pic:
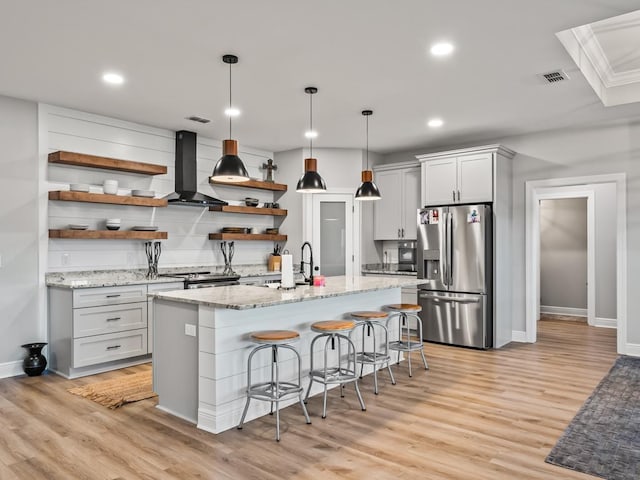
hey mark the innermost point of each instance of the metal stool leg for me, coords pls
(386, 352)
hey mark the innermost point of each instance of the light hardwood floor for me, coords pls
(481, 415)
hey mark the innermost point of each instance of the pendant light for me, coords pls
(368, 190)
(310, 181)
(230, 167)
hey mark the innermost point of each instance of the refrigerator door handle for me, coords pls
(450, 248)
(450, 299)
(445, 270)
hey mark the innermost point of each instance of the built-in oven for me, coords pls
(407, 256)
(205, 279)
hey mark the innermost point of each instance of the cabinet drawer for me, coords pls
(93, 297)
(109, 319)
(108, 347)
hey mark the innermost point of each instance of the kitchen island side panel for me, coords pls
(175, 358)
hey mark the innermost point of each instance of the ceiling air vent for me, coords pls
(555, 76)
(195, 118)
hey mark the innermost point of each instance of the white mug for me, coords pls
(110, 187)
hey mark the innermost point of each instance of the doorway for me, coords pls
(567, 255)
(573, 188)
(332, 223)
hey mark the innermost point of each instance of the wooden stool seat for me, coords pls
(369, 315)
(328, 326)
(274, 336)
(404, 307)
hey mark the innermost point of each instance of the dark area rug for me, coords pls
(603, 439)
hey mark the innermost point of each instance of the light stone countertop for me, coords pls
(114, 278)
(243, 297)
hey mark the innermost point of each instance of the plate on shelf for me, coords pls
(79, 187)
(143, 193)
(145, 228)
(79, 226)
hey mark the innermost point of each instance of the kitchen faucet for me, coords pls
(310, 263)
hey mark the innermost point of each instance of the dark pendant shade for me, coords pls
(310, 181)
(368, 190)
(230, 167)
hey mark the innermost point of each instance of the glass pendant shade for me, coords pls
(230, 168)
(368, 190)
(310, 181)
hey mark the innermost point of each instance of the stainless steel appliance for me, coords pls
(205, 279)
(455, 260)
(407, 256)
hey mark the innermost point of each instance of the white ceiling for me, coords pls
(359, 53)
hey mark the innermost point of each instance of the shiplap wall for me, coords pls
(188, 227)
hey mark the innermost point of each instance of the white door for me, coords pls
(411, 202)
(475, 178)
(333, 234)
(387, 222)
(441, 181)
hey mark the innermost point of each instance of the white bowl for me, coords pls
(79, 187)
(110, 187)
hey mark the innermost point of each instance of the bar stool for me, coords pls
(405, 311)
(274, 391)
(370, 321)
(334, 332)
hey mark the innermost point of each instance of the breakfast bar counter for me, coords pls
(201, 340)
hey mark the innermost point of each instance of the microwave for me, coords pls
(407, 256)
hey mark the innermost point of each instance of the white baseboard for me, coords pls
(606, 322)
(569, 311)
(519, 336)
(632, 349)
(11, 369)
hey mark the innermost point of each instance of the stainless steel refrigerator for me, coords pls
(455, 260)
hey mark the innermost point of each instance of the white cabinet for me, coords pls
(93, 330)
(396, 212)
(465, 178)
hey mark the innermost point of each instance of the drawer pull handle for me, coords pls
(113, 319)
(113, 296)
(114, 347)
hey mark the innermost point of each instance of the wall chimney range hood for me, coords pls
(187, 175)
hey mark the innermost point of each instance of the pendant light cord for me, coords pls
(230, 136)
(367, 130)
(310, 125)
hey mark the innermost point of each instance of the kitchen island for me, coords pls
(201, 340)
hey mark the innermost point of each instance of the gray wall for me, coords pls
(19, 302)
(563, 253)
(605, 250)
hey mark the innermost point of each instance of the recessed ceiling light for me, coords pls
(441, 49)
(113, 78)
(435, 122)
(231, 112)
(311, 134)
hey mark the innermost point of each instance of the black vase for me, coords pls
(34, 363)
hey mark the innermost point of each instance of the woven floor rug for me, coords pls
(119, 391)
(603, 439)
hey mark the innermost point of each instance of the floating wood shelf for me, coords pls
(108, 234)
(247, 236)
(105, 163)
(69, 196)
(276, 187)
(278, 212)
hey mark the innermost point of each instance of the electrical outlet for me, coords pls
(131, 258)
(66, 259)
(190, 329)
